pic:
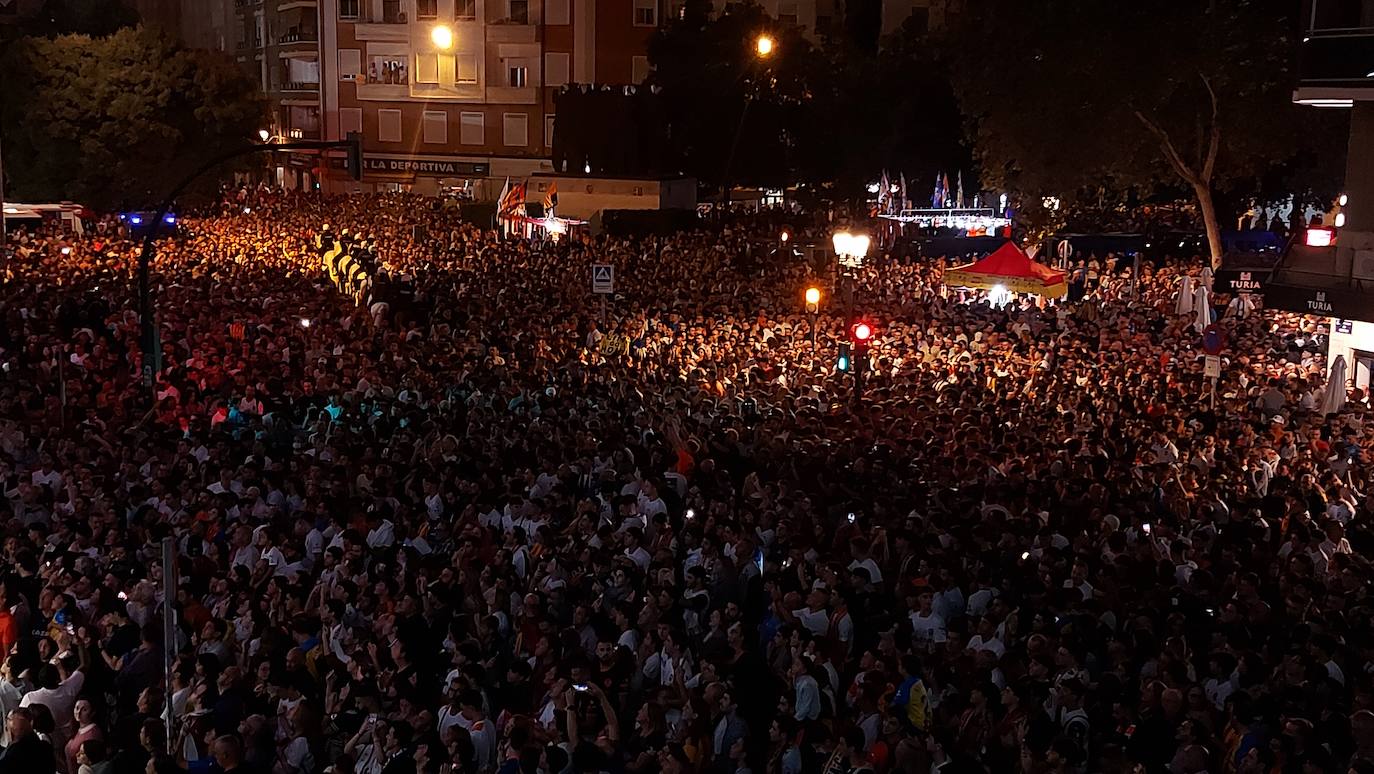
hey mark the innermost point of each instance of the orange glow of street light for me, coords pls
(442, 37)
(813, 296)
(763, 46)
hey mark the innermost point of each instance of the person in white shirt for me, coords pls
(60, 689)
(928, 628)
(634, 551)
(815, 617)
(381, 533)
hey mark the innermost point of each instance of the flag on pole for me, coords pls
(959, 198)
(501, 200)
(884, 192)
(938, 199)
(551, 198)
(904, 203)
(945, 188)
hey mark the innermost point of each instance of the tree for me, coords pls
(1074, 95)
(115, 122)
(81, 17)
(715, 87)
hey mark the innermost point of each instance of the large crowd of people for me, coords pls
(493, 527)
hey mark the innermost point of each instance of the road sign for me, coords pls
(603, 278)
(1211, 367)
(1213, 339)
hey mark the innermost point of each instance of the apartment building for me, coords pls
(454, 95)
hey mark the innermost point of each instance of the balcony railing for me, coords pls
(1326, 17)
(308, 36)
(299, 86)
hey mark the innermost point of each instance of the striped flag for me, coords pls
(551, 198)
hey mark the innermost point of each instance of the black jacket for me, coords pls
(29, 755)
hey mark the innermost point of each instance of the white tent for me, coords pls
(1203, 307)
(1184, 303)
(1333, 397)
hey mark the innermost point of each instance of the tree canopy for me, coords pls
(835, 113)
(1072, 96)
(115, 121)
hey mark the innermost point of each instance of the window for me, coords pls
(787, 12)
(471, 129)
(389, 125)
(426, 68)
(646, 13)
(426, 9)
(391, 12)
(556, 12)
(465, 68)
(348, 9)
(515, 130)
(556, 67)
(350, 64)
(548, 131)
(517, 76)
(435, 127)
(465, 10)
(388, 69)
(350, 120)
(639, 67)
(520, 11)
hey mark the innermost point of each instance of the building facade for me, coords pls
(450, 96)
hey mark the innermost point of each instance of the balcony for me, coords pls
(513, 95)
(392, 27)
(299, 43)
(243, 5)
(507, 31)
(299, 86)
(291, 5)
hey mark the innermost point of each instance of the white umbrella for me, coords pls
(1184, 303)
(1202, 307)
(1333, 397)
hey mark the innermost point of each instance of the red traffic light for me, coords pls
(862, 331)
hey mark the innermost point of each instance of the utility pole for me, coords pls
(2, 194)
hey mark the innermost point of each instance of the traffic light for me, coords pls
(860, 336)
(842, 363)
(355, 155)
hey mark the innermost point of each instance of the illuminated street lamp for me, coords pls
(264, 135)
(813, 299)
(441, 36)
(851, 248)
(763, 46)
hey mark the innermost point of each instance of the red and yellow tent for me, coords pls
(1013, 270)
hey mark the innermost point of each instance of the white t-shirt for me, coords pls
(817, 622)
(874, 574)
(927, 629)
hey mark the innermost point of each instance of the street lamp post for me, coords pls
(850, 250)
(764, 46)
(813, 305)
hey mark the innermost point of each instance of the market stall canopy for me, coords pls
(1011, 269)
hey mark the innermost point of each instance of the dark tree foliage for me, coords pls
(1068, 96)
(823, 117)
(115, 122)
